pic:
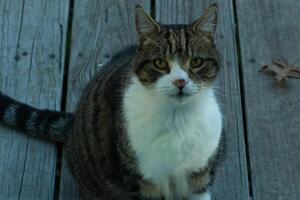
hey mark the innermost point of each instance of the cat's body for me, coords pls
(148, 125)
(101, 111)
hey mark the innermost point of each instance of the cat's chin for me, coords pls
(179, 98)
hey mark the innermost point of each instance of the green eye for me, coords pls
(196, 62)
(161, 64)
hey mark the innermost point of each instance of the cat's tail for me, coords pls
(46, 124)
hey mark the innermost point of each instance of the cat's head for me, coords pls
(177, 61)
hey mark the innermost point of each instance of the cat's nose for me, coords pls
(179, 83)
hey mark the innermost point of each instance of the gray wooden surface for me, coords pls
(231, 178)
(32, 41)
(270, 29)
(100, 29)
(260, 118)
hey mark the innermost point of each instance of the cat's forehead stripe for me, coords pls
(177, 41)
(172, 41)
(183, 40)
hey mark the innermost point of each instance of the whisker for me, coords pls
(217, 93)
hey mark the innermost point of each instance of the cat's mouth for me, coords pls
(180, 95)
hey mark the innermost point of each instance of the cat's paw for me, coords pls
(149, 190)
(202, 196)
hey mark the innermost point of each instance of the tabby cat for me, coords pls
(148, 125)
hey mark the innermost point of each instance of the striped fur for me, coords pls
(46, 124)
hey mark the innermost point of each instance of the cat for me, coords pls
(148, 125)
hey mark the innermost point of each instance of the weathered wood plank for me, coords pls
(231, 178)
(270, 29)
(32, 42)
(100, 29)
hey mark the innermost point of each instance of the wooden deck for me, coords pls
(49, 50)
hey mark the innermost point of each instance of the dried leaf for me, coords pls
(281, 70)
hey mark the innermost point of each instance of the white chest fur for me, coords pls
(170, 139)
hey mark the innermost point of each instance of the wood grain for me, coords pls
(270, 29)
(32, 45)
(231, 178)
(100, 29)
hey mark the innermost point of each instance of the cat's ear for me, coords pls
(208, 22)
(145, 25)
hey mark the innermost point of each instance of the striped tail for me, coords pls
(46, 124)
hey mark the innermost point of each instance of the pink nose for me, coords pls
(179, 83)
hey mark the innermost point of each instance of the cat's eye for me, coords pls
(161, 64)
(196, 62)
